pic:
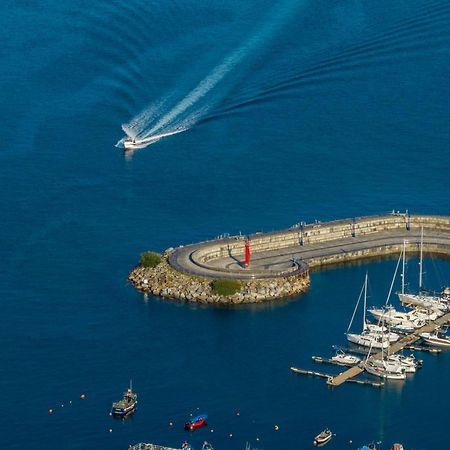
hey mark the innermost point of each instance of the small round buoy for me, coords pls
(50, 411)
(110, 414)
(70, 402)
(212, 431)
(257, 439)
(110, 430)
(170, 424)
(231, 434)
(82, 396)
(350, 441)
(238, 413)
(276, 427)
(62, 406)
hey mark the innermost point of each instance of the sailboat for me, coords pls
(384, 367)
(439, 304)
(366, 338)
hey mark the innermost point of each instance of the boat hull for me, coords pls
(120, 412)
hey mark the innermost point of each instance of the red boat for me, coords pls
(196, 422)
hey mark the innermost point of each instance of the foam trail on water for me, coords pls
(156, 121)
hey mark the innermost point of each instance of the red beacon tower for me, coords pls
(247, 253)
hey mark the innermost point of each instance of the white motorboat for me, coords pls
(393, 317)
(384, 369)
(436, 338)
(409, 363)
(345, 359)
(381, 330)
(366, 338)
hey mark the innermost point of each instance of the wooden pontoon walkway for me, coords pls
(394, 348)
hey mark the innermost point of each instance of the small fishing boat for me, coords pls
(196, 422)
(126, 405)
(323, 437)
(369, 447)
(436, 338)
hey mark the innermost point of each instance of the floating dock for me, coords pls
(329, 377)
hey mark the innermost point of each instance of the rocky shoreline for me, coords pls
(164, 281)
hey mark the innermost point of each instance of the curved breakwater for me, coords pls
(280, 261)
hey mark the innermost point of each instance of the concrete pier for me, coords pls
(280, 261)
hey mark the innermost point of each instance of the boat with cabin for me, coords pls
(438, 338)
(196, 422)
(126, 405)
(323, 438)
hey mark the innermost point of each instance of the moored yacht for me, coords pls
(366, 338)
(385, 369)
(345, 359)
(436, 338)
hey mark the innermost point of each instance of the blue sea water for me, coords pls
(293, 110)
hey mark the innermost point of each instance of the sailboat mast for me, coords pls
(421, 260)
(403, 266)
(365, 303)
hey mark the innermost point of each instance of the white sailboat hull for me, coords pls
(425, 301)
(368, 340)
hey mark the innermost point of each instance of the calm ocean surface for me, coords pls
(294, 110)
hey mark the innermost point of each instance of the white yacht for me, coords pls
(409, 363)
(381, 330)
(345, 359)
(436, 338)
(385, 369)
(393, 317)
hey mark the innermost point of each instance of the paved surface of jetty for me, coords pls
(285, 252)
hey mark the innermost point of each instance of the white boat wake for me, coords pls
(158, 121)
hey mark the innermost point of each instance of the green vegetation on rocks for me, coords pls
(225, 287)
(150, 259)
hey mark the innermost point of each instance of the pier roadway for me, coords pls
(293, 251)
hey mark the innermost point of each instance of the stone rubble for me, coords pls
(164, 281)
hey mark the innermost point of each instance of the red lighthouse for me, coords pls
(247, 252)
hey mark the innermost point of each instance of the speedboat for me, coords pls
(196, 422)
(436, 338)
(134, 143)
(323, 437)
(345, 359)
